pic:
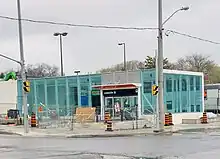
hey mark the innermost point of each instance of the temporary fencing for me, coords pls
(86, 119)
(79, 116)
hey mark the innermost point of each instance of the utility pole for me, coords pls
(160, 67)
(156, 82)
(22, 62)
(160, 60)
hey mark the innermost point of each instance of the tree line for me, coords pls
(36, 71)
(195, 62)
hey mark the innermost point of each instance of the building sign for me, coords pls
(121, 92)
(95, 93)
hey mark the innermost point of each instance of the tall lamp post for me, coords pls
(160, 62)
(61, 49)
(126, 75)
(124, 56)
(78, 85)
(72, 121)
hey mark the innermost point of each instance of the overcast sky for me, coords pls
(91, 49)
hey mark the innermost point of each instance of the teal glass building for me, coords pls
(183, 92)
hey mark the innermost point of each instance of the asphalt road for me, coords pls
(186, 146)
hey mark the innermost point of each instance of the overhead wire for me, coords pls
(108, 27)
(78, 25)
(193, 37)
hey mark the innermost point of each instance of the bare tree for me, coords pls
(42, 70)
(214, 75)
(195, 62)
(131, 66)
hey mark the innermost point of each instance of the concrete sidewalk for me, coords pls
(100, 131)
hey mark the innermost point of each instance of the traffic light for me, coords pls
(205, 94)
(26, 86)
(154, 90)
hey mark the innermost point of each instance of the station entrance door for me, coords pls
(117, 97)
(126, 103)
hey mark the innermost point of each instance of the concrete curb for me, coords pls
(198, 129)
(101, 135)
(118, 134)
(3, 132)
(110, 134)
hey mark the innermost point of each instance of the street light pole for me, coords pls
(125, 62)
(160, 63)
(181, 9)
(61, 55)
(72, 120)
(125, 65)
(61, 50)
(22, 63)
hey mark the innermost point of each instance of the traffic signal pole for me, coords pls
(157, 105)
(160, 68)
(22, 63)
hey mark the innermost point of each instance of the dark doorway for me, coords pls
(96, 101)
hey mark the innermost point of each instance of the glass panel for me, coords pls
(31, 95)
(126, 102)
(40, 93)
(51, 96)
(192, 108)
(178, 85)
(73, 96)
(147, 87)
(96, 80)
(198, 83)
(109, 106)
(191, 83)
(62, 100)
(109, 102)
(174, 85)
(130, 104)
(184, 108)
(169, 106)
(197, 108)
(72, 81)
(117, 106)
(84, 79)
(169, 85)
(184, 85)
(61, 81)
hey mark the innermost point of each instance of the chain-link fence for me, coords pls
(52, 118)
(77, 120)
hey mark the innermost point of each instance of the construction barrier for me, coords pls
(167, 120)
(33, 120)
(204, 118)
(170, 119)
(85, 114)
(107, 117)
(109, 126)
